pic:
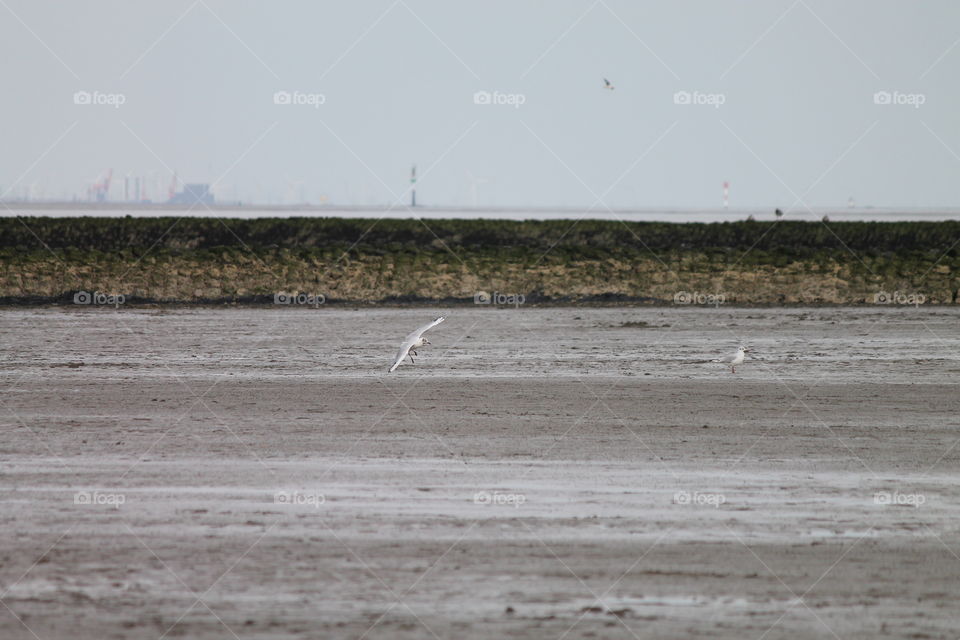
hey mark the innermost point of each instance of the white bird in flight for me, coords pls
(607, 85)
(413, 341)
(735, 359)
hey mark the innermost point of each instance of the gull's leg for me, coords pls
(411, 359)
(733, 369)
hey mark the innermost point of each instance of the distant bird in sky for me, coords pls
(735, 359)
(413, 341)
(607, 85)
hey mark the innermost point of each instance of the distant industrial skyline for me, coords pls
(154, 189)
(793, 103)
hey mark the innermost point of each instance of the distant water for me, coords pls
(635, 215)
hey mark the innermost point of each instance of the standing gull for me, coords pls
(733, 360)
(413, 341)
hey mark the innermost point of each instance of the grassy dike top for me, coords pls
(184, 260)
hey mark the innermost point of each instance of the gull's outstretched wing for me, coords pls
(413, 337)
(411, 340)
(400, 356)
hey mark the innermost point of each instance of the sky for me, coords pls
(794, 103)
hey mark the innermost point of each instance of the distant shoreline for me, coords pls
(638, 214)
(217, 261)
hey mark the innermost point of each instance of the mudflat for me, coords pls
(537, 473)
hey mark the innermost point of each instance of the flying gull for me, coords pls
(412, 341)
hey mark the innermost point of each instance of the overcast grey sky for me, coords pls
(797, 82)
